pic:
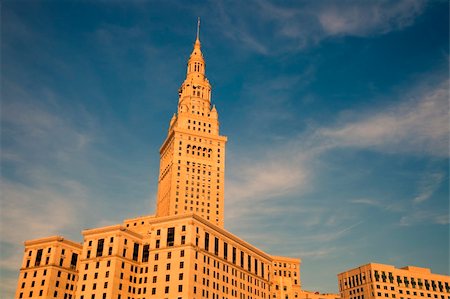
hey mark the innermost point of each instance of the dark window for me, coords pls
(249, 263)
(242, 259)
(100, 247)
(234, 255)
(170, 236)
(157, 243)
(225, 250)
(135, 251)
(256, 266)
(216, 246)
(262, 270)
(206, 241)
(38, 257)
(145, 253)
(73, 261)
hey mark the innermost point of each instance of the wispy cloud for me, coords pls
(295, 27)
(418, 125)
(361, 18)
(420, 217)
(428, 185)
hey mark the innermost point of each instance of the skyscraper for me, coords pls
(181, 252)
(192, 158)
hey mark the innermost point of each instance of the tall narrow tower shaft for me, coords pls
(192, 158)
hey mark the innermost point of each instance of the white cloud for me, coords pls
(266, 179)
(416, 126)
(361, 18)
(295, 27)
(420, 217)
(428, 185)
(34, 212)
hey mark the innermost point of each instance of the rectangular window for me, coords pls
(242, 259)
(234, 255)
(170, 236)
(225, 250)
(249, 263)
(206, 241)
(145, 253)
(38, 257)
(100, 247)
(135, 251)
(216, 246)
(73, 261)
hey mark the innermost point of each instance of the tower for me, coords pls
(192, 158)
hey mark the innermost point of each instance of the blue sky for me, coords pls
(336, 114)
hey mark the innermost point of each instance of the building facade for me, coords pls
(49, 269)
(182, 251)
(385, 281)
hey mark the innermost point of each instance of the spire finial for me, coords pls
(198, 29)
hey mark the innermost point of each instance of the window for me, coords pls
(157, 243)
(135, 251)
(225, 250)
(38, 257)
(170, 236)
(145, 253)
(216, 246)
(166, 290)
(73, 261)
(100, 247)
(206, 241)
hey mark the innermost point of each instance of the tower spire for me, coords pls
(198, 29)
